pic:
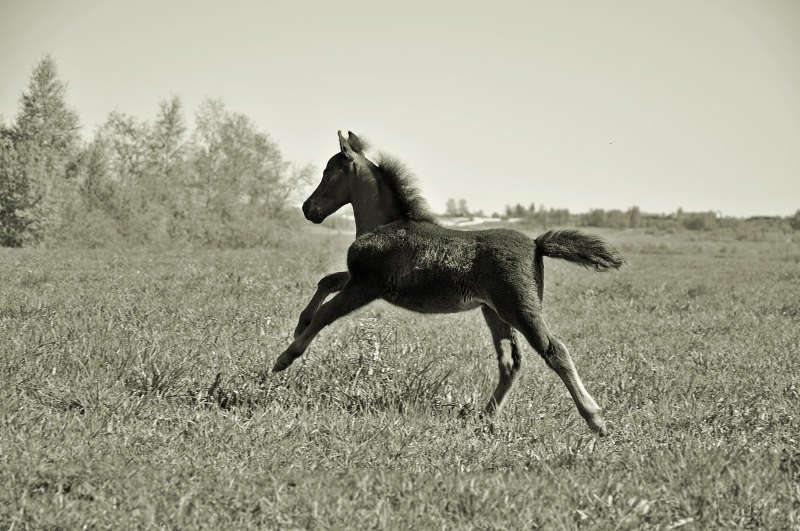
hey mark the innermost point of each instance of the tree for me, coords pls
(44, 141)
(238, 174)
(166, 142)
(634, 217)
(235, 164)
(457, 208)
(794, 221)
(451, 209)
(95, 184)
(559, 216)
(120, 164)
(462, 207)
(134, 172)
(125, 142)
(700, 220)
(617, 219)
(165, 178)
(596, 218)
(13, 193)
(544, 216)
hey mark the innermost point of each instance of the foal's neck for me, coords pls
(373, 202)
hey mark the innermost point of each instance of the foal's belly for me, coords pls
(432, 298)
(432, 305)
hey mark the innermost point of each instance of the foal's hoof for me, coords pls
(599, 427)
(283, 361)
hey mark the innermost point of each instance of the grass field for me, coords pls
(130, 396)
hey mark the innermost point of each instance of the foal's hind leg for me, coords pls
(326, 285)
(509, 359)
(555, 354)
(353, 296)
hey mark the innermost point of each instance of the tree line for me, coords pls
(632, 218)
(225, 183)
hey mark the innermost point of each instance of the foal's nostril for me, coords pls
(311, 212)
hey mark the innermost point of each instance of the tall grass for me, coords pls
(132, 397)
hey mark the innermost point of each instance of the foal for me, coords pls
(402, 256)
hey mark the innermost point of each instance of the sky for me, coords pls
(568, 104)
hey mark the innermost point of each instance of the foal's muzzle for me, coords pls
(312, 213)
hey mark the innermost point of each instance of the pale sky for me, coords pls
(579, 105)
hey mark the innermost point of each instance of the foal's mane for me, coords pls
(401, 182)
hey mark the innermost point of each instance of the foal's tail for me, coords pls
(574, 246)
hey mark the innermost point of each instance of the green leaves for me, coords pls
(37, 152)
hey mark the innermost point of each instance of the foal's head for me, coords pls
(339, 180)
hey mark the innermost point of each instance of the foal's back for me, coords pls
(428, 268)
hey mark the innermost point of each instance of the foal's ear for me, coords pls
(346, 148)
(355, 142)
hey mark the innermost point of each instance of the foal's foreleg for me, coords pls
(509, 359)
(353, 296)
(326, 285)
